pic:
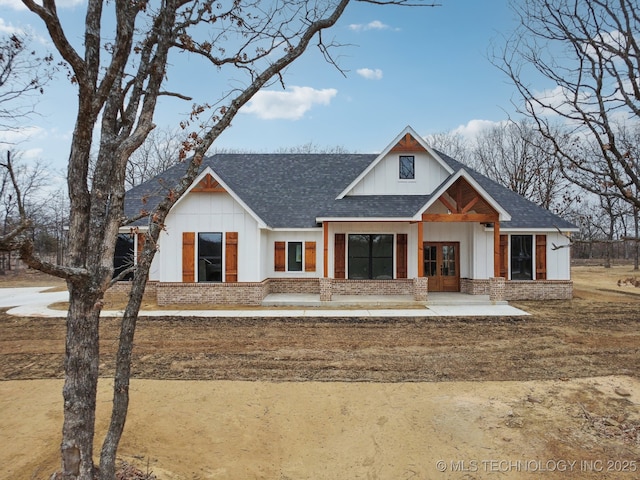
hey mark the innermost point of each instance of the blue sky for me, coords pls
(424, 67)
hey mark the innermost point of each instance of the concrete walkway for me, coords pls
(34, 302)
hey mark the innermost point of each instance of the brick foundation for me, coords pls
(522, 289)
(252, 293)
(118, 294)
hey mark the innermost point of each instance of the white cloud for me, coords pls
(369, 74)
(473, 127)
(289, 105)
(7, 28)
(374, 25)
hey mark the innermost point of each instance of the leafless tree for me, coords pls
(23, 73)
(120, 75)
(159, 151)
(515, 155)
(453, 144)
(588, 50)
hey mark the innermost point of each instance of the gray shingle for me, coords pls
(292, 190)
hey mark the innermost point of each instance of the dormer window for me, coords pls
(407, 167)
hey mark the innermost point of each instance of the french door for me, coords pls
(442, 266)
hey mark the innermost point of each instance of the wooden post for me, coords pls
(496, 248)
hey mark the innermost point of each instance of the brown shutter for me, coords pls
(309, 256)
(401, 255)
(504, 255)
(541, 257)
(339, 254)
(188, 257)
(231, 257)
(140, 239)
(279, 257)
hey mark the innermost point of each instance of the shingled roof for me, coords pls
(293, 190)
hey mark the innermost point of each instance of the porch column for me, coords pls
(496, 248)
(420, 249)
(325, 234)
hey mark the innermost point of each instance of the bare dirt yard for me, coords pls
(552, 395)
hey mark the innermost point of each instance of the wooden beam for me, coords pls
(470, 205)
(446, 203)
(420, 249)
(460, 217)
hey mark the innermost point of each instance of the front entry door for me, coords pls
(442, 266)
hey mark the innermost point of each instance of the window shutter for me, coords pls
(188, 257)
(401, 255)
(231, 257)
(504, 255)
(140, 239)
(541, 257)
(339, 254)
(279, 257)
(309, 256)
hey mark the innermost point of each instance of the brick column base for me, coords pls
(497, 289)
(420, 289)
(325, 289)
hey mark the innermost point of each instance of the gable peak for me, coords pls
(408, 143)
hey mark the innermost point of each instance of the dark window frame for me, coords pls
(124, 255)
(364, 265)
(521, 257)
(210, 262)
(407, 167)
(295, 259)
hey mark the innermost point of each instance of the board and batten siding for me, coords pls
(210, 213)
(276, 253)
(384, 179)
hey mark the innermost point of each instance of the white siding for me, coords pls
(209, 212)
(293, 236)
(384, 179)
(558, 261)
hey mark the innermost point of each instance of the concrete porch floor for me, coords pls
(438, 304)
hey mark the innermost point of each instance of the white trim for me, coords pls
(367, 219)
(384, 153)
(534, 230)
(503, 215)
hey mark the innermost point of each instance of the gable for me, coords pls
(386, 175)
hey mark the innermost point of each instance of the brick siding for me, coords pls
(119, 293)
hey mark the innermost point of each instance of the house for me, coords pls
(409, 220)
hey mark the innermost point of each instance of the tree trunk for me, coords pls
(81, 383)
(123, 374)
(636, 245)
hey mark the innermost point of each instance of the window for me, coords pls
(407, 167)
(294, 256)
(210, 257)
(123, 256)
(370, 256)
(521, 257)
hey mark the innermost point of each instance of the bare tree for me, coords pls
(515, 155)
(589, 51)
(453, 144)
(159, 151)
(22, 74)
(119, 75)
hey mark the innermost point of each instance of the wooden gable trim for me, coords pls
(408, 144)
(209, 185)
(465, 198)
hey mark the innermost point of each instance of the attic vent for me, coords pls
(408, 144)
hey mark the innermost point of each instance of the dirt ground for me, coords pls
(555, 394)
